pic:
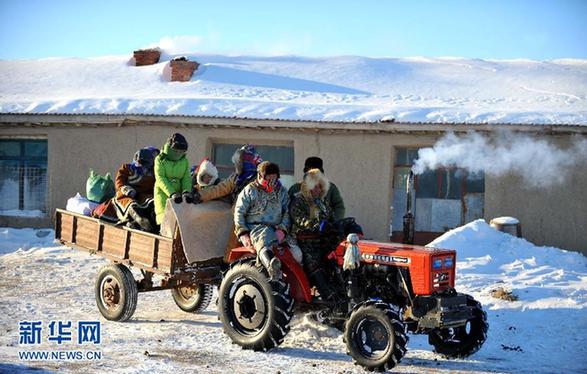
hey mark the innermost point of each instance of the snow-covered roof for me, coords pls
(347, 89)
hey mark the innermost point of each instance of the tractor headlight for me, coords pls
(437, 263)
(448, 262)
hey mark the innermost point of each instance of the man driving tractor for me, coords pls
(312, 224)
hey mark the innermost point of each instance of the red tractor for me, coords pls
(395, 289)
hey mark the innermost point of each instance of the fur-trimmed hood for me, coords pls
(311, 178)
(206, 167)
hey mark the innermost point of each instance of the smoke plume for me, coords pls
(539, 162)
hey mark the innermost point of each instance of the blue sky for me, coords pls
(501, 29)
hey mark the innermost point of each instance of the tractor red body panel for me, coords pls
(293, 272)
(431, 269)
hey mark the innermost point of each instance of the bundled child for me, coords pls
(172, 175)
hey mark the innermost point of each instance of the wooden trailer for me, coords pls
(116, 288)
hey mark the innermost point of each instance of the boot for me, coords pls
(270, 262)
(319, 279)
(134, 212)
(337, 309)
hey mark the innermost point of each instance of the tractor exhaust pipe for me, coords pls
(409, 217)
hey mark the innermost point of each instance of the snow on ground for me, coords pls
(545, 331)
(346, 88)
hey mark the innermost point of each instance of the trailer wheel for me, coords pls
(462, 341)
(375, 336)
(254, 310)
(116, 292)
(193, 298)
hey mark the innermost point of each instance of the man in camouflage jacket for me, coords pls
(313, 227)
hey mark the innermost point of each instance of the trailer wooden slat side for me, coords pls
(146, 251)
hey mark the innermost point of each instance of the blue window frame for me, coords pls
(23, 177)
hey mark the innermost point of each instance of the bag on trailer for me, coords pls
(99, 188)
(81, 205)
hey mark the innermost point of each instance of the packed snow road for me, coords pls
(544, 331)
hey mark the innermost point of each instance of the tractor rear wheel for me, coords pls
(116, 292)
(254, 310)
(465, 340)
(375, 336)
(192, 298)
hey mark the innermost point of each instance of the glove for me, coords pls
(176, 197)
(128, 191)
(246, 240)
(280, 235)
(325, 226)
(188, 197)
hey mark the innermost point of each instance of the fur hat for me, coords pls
(246, 159)
(206, 167)
(314, 163)
(311, 179)
(267, 168)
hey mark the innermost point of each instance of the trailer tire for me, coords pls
(193, 298)
(375, 336)
(254, 310)
(461, 342)
(116, 292)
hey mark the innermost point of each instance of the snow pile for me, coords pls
(546, 328)
(347, 88)
(22, 240)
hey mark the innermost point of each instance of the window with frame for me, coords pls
(23, 177)
(282, 155)
(444, 198)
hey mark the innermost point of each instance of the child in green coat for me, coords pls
(172, 175)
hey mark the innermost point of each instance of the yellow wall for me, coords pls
(360, 163)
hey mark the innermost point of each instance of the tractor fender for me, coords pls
(294, 274)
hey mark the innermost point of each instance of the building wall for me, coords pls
(360, 163)
(553, 216)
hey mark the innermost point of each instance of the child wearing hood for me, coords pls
(172, 175)
(245, 160)
(134, 190)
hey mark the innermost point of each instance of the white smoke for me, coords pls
(539, 162)
(178, 44)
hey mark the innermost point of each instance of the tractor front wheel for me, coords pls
(375, 336)
(463, 341)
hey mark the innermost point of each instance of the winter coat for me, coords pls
(227, 188)
(221, 189)
(260, 213)
(170, 176)
(332, 198)
(129, 177)
(306, 214)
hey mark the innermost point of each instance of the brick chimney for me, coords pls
(146, 56)
(182, 69)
